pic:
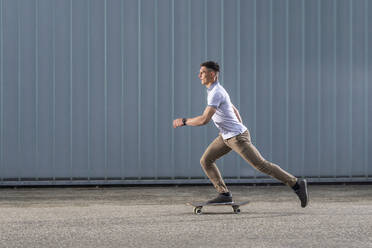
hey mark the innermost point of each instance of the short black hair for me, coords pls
(211, 65)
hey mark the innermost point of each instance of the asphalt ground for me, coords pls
(337, 216)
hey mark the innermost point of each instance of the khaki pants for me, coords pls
(243, 146)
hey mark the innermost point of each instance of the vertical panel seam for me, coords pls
(1, 90)
(88, 86)
(319, 84)
(351, 91)
(222, 38)
(238, 50)
(238, 70)
(255, 76)
(19, 158)
(287, 87)
(222, 59)
(122, 45)
(139, 90)
(172, 87)
(205, 29)
(105, 84)
(71, 126)
(335, 91)
(271, 79)
(303, 89)
(156, 89)
(37, 88)
(205, 58)
(366, 91)
(54, 94)
(189, 87)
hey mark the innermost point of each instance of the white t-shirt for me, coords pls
(224, 118)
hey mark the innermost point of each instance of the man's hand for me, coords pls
(199, 120)
(177, 123)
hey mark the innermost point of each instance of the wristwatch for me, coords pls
(184, 121)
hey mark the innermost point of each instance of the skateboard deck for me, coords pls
(198, 206)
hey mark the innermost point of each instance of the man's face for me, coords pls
(206, 76)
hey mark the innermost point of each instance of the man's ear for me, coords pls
(214, 74)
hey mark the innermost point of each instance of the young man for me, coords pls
(233, 136)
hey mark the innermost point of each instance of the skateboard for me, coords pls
(198, 206)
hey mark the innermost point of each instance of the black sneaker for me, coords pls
(301, 191)
(221, 198)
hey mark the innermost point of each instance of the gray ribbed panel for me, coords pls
(89, 88)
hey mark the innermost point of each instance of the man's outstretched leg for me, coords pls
(243, 146)
(214, 151)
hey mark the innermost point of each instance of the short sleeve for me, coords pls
(214, 100)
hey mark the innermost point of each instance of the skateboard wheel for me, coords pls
(236, 210)
(197, 211)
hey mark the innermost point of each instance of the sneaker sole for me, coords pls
(304, 183)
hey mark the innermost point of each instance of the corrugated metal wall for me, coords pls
(89, 88)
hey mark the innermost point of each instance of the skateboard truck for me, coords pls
(199, 206)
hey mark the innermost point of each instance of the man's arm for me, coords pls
(237, 113)
(197, 121)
